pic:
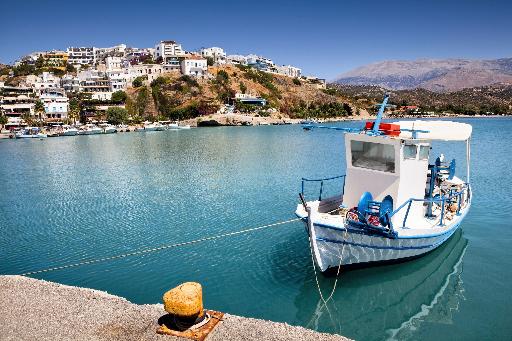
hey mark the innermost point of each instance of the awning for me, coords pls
(437, 130)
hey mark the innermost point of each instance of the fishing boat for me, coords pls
(160, 127)
(148, 126)
(30, 133)
(396, 201)
(108, 128)
(90, 129)
(69, 131)
(173, 125)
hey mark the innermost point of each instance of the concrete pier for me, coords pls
(33, 309)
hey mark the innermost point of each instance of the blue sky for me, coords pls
(324, 38)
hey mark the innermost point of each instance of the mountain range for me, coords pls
(439, 75)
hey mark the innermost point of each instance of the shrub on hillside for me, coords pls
(137, 82)
(119, 97)
(116, 115)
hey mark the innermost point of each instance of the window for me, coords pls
(376, 156)
(410, 151)
(424, 151)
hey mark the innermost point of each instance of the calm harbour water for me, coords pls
(73, 198)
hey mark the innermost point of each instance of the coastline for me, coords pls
(248, 120)
(35, 309)
(234, 120)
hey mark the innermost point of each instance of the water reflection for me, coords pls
(388, 302)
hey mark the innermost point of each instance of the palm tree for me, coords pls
(39, 109)
(3, 121)
(74, 109)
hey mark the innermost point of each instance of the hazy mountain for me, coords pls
(433, 74)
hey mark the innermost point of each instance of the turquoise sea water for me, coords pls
(68, 199)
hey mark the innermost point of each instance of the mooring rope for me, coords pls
(325, 301)
(159, 248)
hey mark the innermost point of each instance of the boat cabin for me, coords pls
(394, 168)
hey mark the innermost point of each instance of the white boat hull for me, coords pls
(333, 247)
(70, 133)
(35, 136)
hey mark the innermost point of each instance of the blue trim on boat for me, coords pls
(348, 229)
(430, 246)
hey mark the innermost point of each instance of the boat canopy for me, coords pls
(436, 130)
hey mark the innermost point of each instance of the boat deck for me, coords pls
(326, 213)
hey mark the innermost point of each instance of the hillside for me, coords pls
(440, 75)
(174, 97)
(495, 99)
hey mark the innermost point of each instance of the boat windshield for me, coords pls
(371, 155)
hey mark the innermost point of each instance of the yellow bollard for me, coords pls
(185, 301)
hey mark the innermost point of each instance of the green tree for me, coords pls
(296, 81)
(141, 101)
(3, 120)
(158, 81)
(117, 115)
(70, 68)
(209, 61)
(119, 96)
(222, 77)
(40, 62)
(137, 82)
(39, 109)
(23, 69)
(74, 109)
(243, 88)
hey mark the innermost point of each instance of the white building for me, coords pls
(113, 63)
(260, 63)
(170, 52)
(288, 70)
(56, 103)
(118, 80)
(81, 55)
(216, 53)
(70, 83)
(46, 80)
(148, 71)
(167, 49)
(193, 65)
(236, 59)
(136, 55)
(319, 83)
(15, 102)
(95, 83)
(100, 53)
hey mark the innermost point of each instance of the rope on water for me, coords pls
(340, 255)
(159, 248)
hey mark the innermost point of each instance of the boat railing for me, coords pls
(321, 181)
(438, 200)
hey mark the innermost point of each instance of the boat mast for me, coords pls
(376, 125)
(468, 158)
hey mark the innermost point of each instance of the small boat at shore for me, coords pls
(160, 127)
(173, 125)
(184, 127)
(148, 126)
(90, 129)
(108, 129)
(394, 203)
(69, 131)
(30, 133)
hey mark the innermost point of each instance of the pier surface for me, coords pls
(32, 309)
